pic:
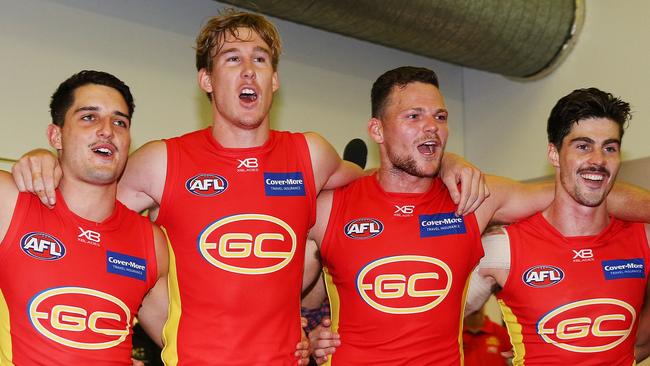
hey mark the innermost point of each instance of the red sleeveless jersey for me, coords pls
(237, 220)
(69, 287)
(396, 267)
(574, 300)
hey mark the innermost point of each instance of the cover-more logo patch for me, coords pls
(364, 228)
(617, 269)
(80, 317)
(404, 284)
(588, 326)
(441, 224)
(126, 265)
(42, 246)
(206, 185)
(543, 276)
(248, 244)
(284, 184)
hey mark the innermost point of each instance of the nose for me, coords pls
(431, 124)
(105, 128)
(597, 157)
(248, 71)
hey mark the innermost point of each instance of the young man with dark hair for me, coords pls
(73, 277)
(571, 280)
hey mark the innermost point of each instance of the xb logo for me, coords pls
(583, 254)
(404, 210)
(248, 163)
(89, 234)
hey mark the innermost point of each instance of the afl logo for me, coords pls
(80, 318)
(206, 185)
(543, 276)
(405, 284)
(42, 246)
(365, 228)
(248, 244)
(588, 326)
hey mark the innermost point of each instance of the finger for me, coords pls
(487, 189)
(326, 322)
(475, 193)
(324, 352)
(321, 360)
(466, 177)
(479, 200)
(22, 176)
(303, 321)
(451, 182)
(49, 173)
(37, 179)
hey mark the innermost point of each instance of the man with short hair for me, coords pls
(571, 280)
(73, 277)
(236, 200)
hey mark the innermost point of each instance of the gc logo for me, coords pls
(80, 317)
(248, 243)
(609, 323)
(404, 284)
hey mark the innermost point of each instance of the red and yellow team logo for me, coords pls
(404, 284)
(80, 317)
(588, 326)
(248, 244)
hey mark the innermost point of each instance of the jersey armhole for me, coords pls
(170, 179)
(329, 229)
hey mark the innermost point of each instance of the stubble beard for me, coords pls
(408, 165)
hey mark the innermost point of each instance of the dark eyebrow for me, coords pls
(583, 139)
(95, 109)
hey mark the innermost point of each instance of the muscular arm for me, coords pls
(629, 202)
(153, 312)
(330, 171)
(142, 184)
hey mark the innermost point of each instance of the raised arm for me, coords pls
(142, 184)
(330, 171)
(154, 310)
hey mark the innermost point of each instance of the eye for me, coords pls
(121, 123)
(441, 117)
(412, 116)
(611, 149)
(88, 117)
(232, 59)
(260, 59)
(582, 146)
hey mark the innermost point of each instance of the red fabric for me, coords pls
(397, 333)
(228, 317)
(67, 294)
(560, 310)
(484, 347)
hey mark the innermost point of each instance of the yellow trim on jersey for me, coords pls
(462, 321)
(170, 330)
(514, 330)
(6, 355)
(335, 305)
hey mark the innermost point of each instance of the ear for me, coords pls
(54, 136)
(376, 130)
(204, 80)
(275, 81)
(553, 155)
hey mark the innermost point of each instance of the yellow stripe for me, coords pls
(6, 354)
(462, 319)
(335, 305)
(514, 330)
(170, 330)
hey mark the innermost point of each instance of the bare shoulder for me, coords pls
(8, 189)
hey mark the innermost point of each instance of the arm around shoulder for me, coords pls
(142, 184)
(8, 198)
(330, 171)
(629, 202)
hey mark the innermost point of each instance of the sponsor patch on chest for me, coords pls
(441, 224)
(616, 269)
(42, 246)
(126, 265)
(284, 184)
